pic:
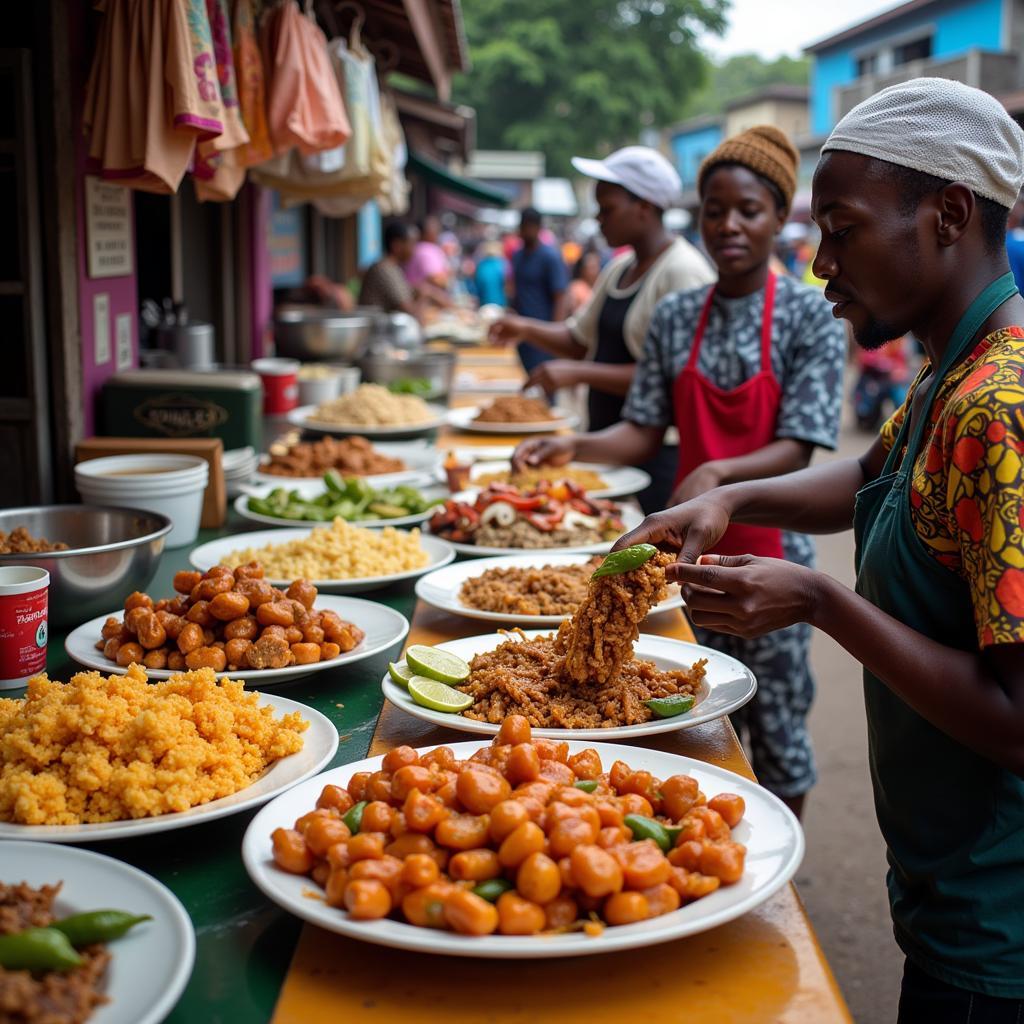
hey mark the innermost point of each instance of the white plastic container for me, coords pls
(171, 484)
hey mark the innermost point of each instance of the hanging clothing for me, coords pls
(304, 107)
(249, 78)
(952, 819)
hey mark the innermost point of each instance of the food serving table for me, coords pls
(255, 963)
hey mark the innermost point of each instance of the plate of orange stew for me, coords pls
(526, 848)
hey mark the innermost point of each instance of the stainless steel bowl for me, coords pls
(111, 552)
(315, 333)
(391, 365)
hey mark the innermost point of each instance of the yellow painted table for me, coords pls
(763, 968)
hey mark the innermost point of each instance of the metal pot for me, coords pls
(311, 333)
(111, 553)
(386, 366)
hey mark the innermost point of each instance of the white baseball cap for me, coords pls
(639, 169)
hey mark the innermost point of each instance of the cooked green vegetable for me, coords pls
(587, 785)
(419, 386)
(643, 827)
(349, 498)
(669, 707)
(98, 926)
(353, 817)
(38, 949)
(492, 889)
(625, 560)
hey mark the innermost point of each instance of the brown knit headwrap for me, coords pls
(762, 149)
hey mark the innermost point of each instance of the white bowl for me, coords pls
(169, 484)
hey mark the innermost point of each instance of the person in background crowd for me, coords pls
(385, 284)
(750, 371)
(331, 293)
(1015, 241)
(601, 344)
(584, 276)
(912, 194)
(428, 263)
(489, 277)
(539, 280)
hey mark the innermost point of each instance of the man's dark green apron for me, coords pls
(953, 820)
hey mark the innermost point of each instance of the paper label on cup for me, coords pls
(23, 634)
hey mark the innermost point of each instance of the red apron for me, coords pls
(716, 424)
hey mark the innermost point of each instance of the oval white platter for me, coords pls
(420, 461)
(464, 418)
(305, 417)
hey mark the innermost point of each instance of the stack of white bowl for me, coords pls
(171, 484)
(239, 468)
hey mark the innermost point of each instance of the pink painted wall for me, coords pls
(262, 289)
(122, 291)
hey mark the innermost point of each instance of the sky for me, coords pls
(771, 28)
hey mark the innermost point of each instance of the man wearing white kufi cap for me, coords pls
(912, 194)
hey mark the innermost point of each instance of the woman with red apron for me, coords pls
(749, 371)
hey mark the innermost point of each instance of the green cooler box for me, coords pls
(184, 403)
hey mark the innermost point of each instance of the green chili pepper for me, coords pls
(492, 889)
(98, 926)
(669, 707)
(647, 828)
(38, 949)
(587, 785)
(625, 560)
(353, 817)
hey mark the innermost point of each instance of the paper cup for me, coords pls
(24, 590)
(280, 384)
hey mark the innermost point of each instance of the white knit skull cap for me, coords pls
(940, 127)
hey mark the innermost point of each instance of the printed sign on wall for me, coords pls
(108, 228)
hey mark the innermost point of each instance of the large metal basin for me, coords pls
(314, 333)
(390, 365)
(111, 552)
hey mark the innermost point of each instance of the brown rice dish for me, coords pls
(48, 997)
(585, 676)
(531, 476)
(515, 409)
(112, 748)
(537, 590)
(350, 456)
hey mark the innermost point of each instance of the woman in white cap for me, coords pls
(749, 371)
(600, 345)
(912, 195)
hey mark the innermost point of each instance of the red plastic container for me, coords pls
(24, 592)
(280, 384)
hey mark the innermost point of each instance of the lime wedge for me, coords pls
(429, 693)
(400, 673)
(435, 664)
(669, 707)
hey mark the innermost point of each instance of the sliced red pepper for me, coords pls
(546, 523)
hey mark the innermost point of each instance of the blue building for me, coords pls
(972, 41)
(691, 141)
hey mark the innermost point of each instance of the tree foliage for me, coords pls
(745, 73)
(581, 76)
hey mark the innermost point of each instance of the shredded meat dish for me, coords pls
(547, 590)
(350, 456)
(50, 997)
(531, 476)
(515, 409)
(20, 542)
(585, 676)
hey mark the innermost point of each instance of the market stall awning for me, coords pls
(439, 176)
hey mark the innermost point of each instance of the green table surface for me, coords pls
(243, 941)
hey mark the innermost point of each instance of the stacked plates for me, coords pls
(239, 468)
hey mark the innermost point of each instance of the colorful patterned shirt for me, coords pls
(967, 486)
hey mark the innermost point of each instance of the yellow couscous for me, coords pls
(338, 552)
(110, 748)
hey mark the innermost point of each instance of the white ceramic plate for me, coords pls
(727, 685)
(463, 419)
(420, 462)
(320, 742)
(304, 417)
(150, 966)
(435, 494)
(441, 588)
(770, 832)
(204, 557)
(621, 481)
(383, 627)
(630, 517)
